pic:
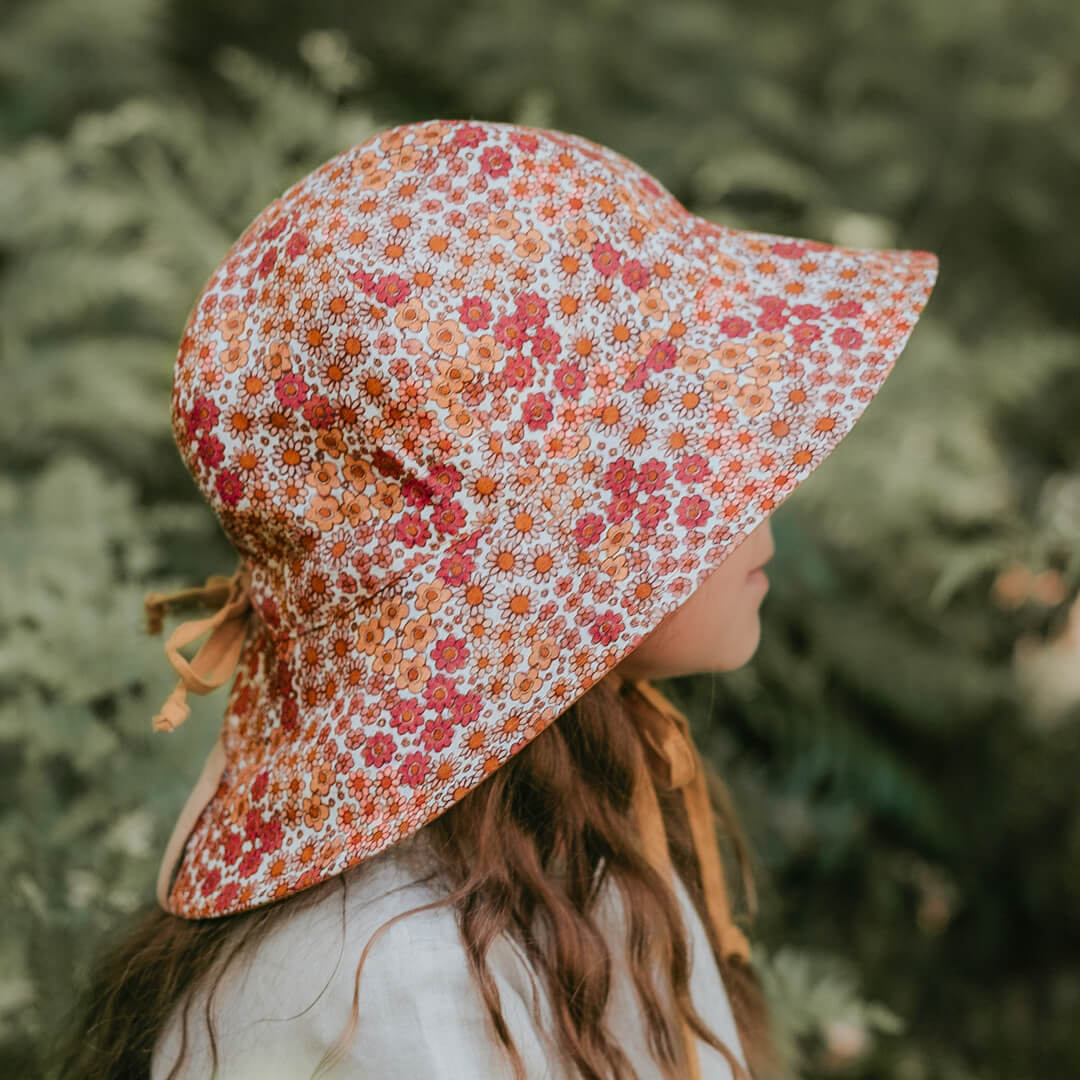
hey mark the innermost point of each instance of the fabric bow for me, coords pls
(215, 662)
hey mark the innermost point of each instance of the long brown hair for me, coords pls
(566, 796)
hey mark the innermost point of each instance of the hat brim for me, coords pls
(337, 747)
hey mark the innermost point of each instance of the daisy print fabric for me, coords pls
(478, 405)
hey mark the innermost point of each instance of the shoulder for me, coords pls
(419, 1009)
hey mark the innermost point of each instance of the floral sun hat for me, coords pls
(478, 404)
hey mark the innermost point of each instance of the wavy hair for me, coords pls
(564, 799)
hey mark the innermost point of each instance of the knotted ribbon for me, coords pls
(212, 666)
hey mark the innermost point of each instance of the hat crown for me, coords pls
(361, 384)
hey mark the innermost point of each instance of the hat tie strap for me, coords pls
(670, 749)
(215, 662)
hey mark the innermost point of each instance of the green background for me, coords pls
(905, 744)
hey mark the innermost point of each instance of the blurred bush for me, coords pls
(903, 746)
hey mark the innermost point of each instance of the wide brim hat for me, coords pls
(479, 405)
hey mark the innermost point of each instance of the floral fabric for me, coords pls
(479, 404)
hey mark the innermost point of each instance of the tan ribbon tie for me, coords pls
(677, 764)
(211, 667)
(215, 662)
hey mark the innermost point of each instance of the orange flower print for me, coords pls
(417, 633)
(234, 355)
(357, 508)
(721, 385)
(504, 224)
(732, 355)
(691, 360)
(412, 674)
(323, 478)
(412, 315)
(651, 303)
(484, 353)
(357, 472)
(530, 244)
(768, 343)
(315, 812)
(325, 512)
(752, 399)
(387, 500)
(386, 658)
(322, 779)
(231, 324)
(579, 234)
(431, 596)
(445, 336)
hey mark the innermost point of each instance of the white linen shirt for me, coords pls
(421, 1015)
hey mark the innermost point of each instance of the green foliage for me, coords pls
(901, 746)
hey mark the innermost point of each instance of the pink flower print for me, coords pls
(651, 474)
(203, 414)
(379, 749)
(437, 734)
(406, 717)
(475, 313)
(233, 847)
(250, 862)
(806, 311)
(411, 530)
(545, 345)
(532, 308)
(847, 337)
(297, 245)
(735, 327)
(450, 654)
(510, 331)
(495, 161)
(211, 882)
(229, 487)
(211, 451)
(788, 250)
(653, 512)
(449, 517)
(456, 568)
(270, 836)
(847, 309)
(537, 410)
(569, 380)
(805, 333)
(291, 391)
(606, 627)
(620, 508)
(692, 511)
(413, 769)
(606, 259)
(518, 371)
(445, 480)
(392, 290)
(319, 413)
(589, 530)
(691, 469)
(635, 276)
(463, 709)
(267, 263)
(620, 476)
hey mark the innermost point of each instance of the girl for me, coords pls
(496, 426)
